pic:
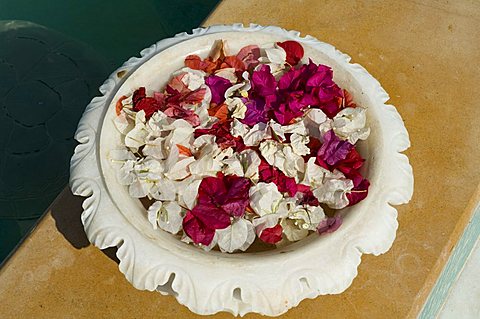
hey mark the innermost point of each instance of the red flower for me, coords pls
(148, 104)
(270, 174)
(359, 191)
(351, 164)
(229, 193)
(271, 235)
(219, 199)
(224, 138)
(294, 51)
(307, 196)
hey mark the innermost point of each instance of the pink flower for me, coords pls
(178, 112)
(260, 97)
(335, 154)
(329, 225)
(249, 56)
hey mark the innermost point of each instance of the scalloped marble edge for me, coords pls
(86, 180)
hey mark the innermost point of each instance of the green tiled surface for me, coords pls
(53, 57)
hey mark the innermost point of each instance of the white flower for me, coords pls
(176, 168)
(136, 137)
(145, 178)
(155, 147)
(123, 123)
(256, 134)
(208, 156)
(236, 107)
(238, 128)
(227, 73)
(156, 124)
(243, 164)
(350, 123)
(278, 212)
(242, 87)
(283, 157)
(277, 130)
(193, 79)
(329, 188)
(276, 59)
(292, 231)
(276, 55)
(187, 191)
(126, 174)
(306, 216)
(314, 174)
(167, 215)
(180, 132)
(265, 198)
(333, 191)
(266, 221)
(317, 123)
(238, 236)
(299, 144)
(164, 136)
(297, 127)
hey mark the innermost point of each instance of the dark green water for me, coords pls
(53, 57)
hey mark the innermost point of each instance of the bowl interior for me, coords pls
(155, 73)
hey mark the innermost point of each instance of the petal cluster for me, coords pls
(258, 145)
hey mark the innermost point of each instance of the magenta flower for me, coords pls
(218, 86)
(256, 111)
(333, 149)
(309, 85)
(263, 82)
(261, 97)
(219, 199)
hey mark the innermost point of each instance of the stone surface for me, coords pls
(424, 55)
(465, 292)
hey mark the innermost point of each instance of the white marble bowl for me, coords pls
(267, 282)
